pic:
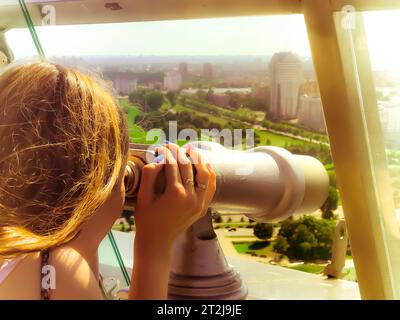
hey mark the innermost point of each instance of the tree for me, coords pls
(210, 92)
(171, 96)
(281, 244)
(330, 204)
(307, 238)
(217, 217)
(122, 226)
(332, 178)
(183, 100)
(287, 229)
(201, 94)
(263, 230)
(153, 100)
(137, 97)
(257, 139)
(302, 243)
(131, 222)
(327, 215)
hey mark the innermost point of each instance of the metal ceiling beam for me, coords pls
(95, 11)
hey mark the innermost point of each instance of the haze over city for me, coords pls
(256, 36)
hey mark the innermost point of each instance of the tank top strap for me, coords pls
(44, 290)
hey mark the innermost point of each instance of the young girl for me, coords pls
(63, 152)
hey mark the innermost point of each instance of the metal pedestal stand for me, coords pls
(199, 268)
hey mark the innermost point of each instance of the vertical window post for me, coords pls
(347, 91)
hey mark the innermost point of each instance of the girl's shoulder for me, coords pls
(21, 281)
(67, 275)
(74, 277)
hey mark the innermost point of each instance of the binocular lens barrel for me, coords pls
(267, 184)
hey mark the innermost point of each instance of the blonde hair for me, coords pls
(63, 144)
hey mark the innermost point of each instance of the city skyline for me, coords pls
(256, 36)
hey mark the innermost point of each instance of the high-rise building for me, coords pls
(310, 88)
(310, 113)
(172, 81)
(183, 69)
(207, 70)
(125, 85)
(124, 82)
(285, 71)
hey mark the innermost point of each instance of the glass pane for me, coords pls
(384, 55)
(110, 267)
(12, 22)
(228, 73)
(385, 62)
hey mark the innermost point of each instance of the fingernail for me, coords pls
(189, 147)
(159, 158)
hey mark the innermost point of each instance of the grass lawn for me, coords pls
(349, 274)
(258, 247)
(265, 248)
(309, 267)
(133, 110)
(138, 135)
(238, 237)
(232, 224)
(277, 140)
(245, 112)
(220, 120)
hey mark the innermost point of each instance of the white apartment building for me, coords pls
(285, 78)
(124, 85)
(310, 113)
(172, 81)
(124, 82)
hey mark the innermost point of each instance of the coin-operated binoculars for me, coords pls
(267, 184)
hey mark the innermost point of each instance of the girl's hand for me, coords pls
(161, 218)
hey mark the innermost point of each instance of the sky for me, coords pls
(260, 36)
(382, 29)
(233, 36)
